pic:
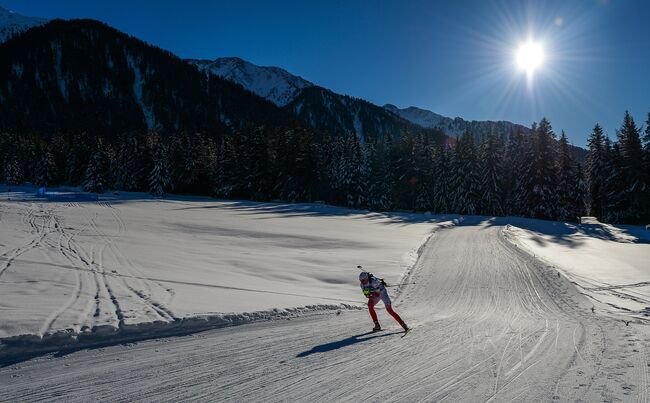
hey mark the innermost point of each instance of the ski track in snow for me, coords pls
(97, 293)
(489, 323)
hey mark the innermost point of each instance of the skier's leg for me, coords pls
(371, 307)
(372, 301)
(389, 309)
(394, 314)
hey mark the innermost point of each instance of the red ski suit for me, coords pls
(375, 291)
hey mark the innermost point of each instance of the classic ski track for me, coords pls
(144, 300)
(133, 271)
(65, 247)
(39, 235)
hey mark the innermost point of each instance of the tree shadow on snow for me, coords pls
(335, 345)
(564, 233)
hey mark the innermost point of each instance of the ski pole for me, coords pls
(399, 285)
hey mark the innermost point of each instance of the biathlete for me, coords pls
(375, 289)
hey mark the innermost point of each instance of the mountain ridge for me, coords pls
(12, 24)
(273, 83)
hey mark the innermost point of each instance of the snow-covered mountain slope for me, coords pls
(12, 24)
(273, 83)
(457, 126)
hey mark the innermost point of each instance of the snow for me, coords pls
(609, 263)
(489, 323)
(273, 83)
(56, 48)
(137, 92)
(12, 23)
(74, 264)
(454, 127)
(358, 127)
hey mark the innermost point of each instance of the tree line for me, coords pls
(532, 175)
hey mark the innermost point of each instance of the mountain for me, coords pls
(341, 115)
(457, 126)
(12, 24)
(83, 75)
(321, 108)
(273, 83)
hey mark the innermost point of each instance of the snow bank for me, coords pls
(610, 264)
(80, 268)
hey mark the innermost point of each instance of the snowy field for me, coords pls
(74, 264)
(490, 322)
(610, 264)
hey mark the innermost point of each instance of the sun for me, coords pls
(530, 56)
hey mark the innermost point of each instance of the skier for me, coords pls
(375, 289)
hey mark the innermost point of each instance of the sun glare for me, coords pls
(530, 56)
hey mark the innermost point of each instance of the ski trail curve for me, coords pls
(489, 323)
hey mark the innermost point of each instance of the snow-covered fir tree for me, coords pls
(441, 202)
(96, 178)
(596, 172)
(568, 182)
(491, 175)
(465, 186)
(646, 169)
(127, 168)
(12, 174)
(402, 165)
(541, 180)
(227, 162)
(255, 166)
(159, 176)
(631, 169)
(46, 170)
(614, 183)
(379, 183)
(515, 172)
(423, 156)
(355, 172)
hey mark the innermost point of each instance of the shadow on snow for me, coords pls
(335, 345)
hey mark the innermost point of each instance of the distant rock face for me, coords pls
(273, 83)
(457, 126)
(12, 24)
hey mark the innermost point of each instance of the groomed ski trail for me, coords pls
(490, 324)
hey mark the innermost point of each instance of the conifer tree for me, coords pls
(46, 170)
(614, 210)
(596, 172)
(159, 176)
(12, 174)
(441, 180)
(423, 155)
(254, 167)
(226, 175)
(491, 176)
(96, 171)
(646, 169)
(354, 172)
(465, 180)
(516, 169)
(631, 170)
(541, 182)
(568, 183)
(379, 185)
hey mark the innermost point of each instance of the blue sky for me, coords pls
(455, 58)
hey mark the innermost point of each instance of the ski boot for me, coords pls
(377, 327)
(406, 328)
